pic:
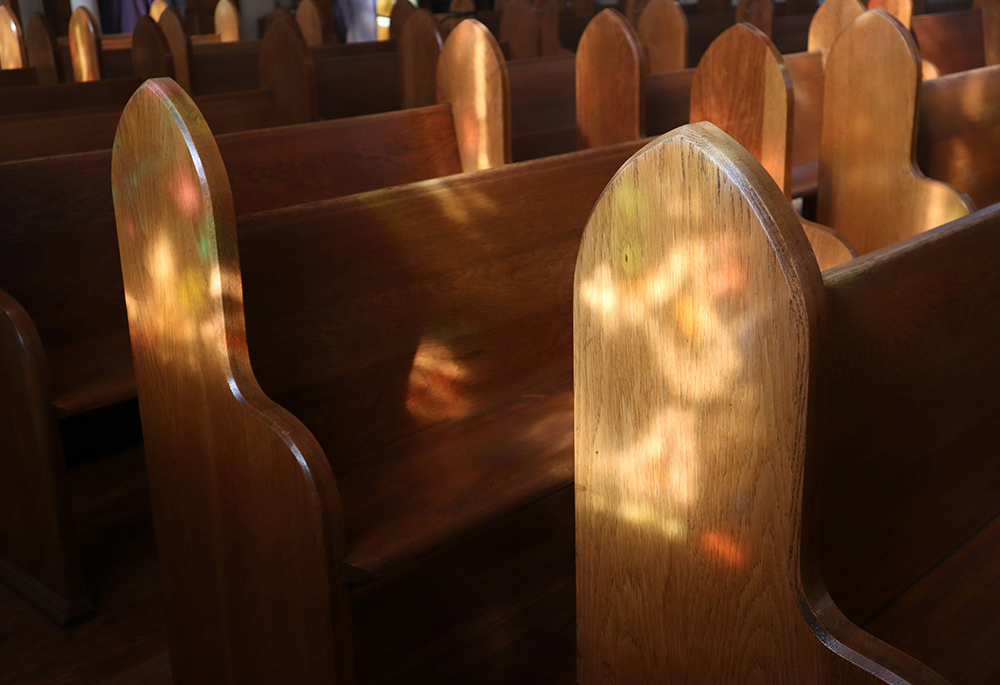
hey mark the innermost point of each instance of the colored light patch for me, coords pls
(722, 547)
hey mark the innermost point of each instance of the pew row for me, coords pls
(85, 352)
(445, 354)
(760, 446)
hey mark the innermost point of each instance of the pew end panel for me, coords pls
(84, 45)
(806, 71)
(243, 497)
(519, 29)
(401, 12)
(13, 54)
(287, 71)
(743, 86)
(663, 32)
(831, 17)
(991, 29)
(226, 21)
(43, 54)
(39, 555)
(419, 50)
(611, 69)
(317, 23)
(472, 77)
(548, 27)
(689, 501)
(870, 189)
(172, 25)
(152, 56)
(958, 138)
(902, 10)
(759, 13)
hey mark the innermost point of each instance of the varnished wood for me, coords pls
(958, 138)
(472, 77)
(663, 30)
(830, 248)
(831, 17)
(226, 21)
(611, 69)
(948, 40)
(84, 45)
(582, 8)
(402, 10)
(806, 70)
(193, 247)
(12, 51)
(548, 27)
(419, 49)
(519, 29)
(869, 187)
(687, 515)
(991, 29)
(461, 6)
(156, 8)
(40, 44)
(742, 86)
(760, 13)
(287, 71)
(314, 23)
(542, 106)
(18, 77)
(172, 25)
(152, 55)
(902, 10)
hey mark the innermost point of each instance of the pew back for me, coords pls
(40, 43)
(12, 50)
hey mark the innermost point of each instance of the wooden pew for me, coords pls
(82, 347)
(869, 187)
(461, 395)
(794, 440)
(663, 32)
(318, 23)
(40, 43)
(286, 95)
(12, 50)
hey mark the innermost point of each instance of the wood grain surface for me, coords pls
(226, 20)
(831, 17)
(13, 54)
(84, 45)
(419, 50)
(172, 25)
(760, 13)
(663, 31)
(40, 44)
(519, 29)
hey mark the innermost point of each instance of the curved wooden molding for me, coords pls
(901, 9)
(151, 53)
(226, 19)
(696, 302)
(519, 29)
(12, 51)
(760, 13)
(832, 17)
(156, 8)
(548, 28)
(40, 44)
(39, 551)
(257, 560)
(472, 76)
(743, 86)
(401, 12)
(287, 70)
(419, 46)
(611, 72)
(172, 25)
(316, 23)
(84, 45)
(869, 187)
(663, 31)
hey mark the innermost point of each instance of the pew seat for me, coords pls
(456, 477)
(93, 373)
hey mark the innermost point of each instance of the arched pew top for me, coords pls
(663, 31)
(831, 17)
(40, 44)
(226, 20)
(611, 69)
(287, 70)
(181, 273)
(156, 8)
(317, 23)
(84, 45)
(548, 27)
(519, 29)
(742, 86)
(869, 187)
(401, 12)
(680, 326)
(760, 13)
(902, 10)
(12, 51)
(172, 25)
(419, 50)
(472, 77)
(151, 53)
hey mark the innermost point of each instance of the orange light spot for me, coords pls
(722, 547)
